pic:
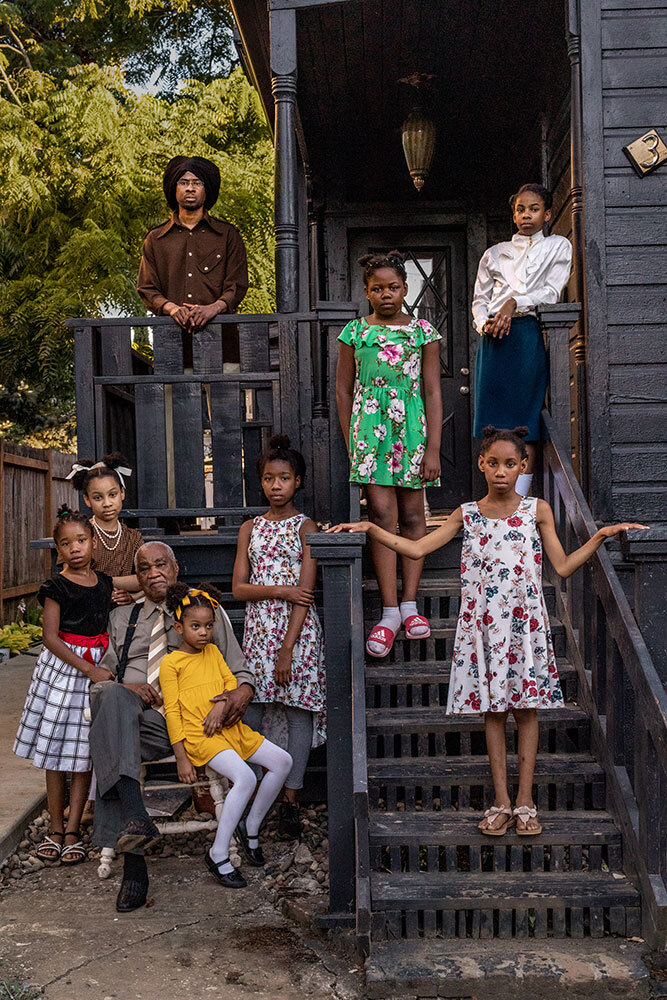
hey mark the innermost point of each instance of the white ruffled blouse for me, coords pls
(533, 270)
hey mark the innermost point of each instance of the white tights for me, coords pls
(229, 764)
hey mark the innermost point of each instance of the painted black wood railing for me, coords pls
(339, 557)
(621, 689)
(187, 415)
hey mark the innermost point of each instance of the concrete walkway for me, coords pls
(22, 787)
(59, 930)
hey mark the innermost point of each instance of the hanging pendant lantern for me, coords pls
(418, 134)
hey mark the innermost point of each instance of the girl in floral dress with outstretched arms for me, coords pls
(503, 659)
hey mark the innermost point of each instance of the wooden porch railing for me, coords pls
(339, 557)
(185, 415)
(621, 689)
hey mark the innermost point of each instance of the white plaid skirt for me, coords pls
(53, 732)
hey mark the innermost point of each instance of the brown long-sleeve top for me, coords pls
(197, 266)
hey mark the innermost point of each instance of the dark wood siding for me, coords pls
(624, 71)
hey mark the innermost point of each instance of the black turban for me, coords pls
(204, 169)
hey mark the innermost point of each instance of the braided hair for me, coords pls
(82, 479)
(180, 595)
(372, 262)
(537, 189)
(280, 450)
(515, 437)
(65, 515)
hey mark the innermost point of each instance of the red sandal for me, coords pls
(416, 621)
(383, 635)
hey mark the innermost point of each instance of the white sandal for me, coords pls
(525, 813)
(498, 831)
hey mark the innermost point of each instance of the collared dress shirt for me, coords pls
(533, 270)
(135, 671)
(199, 266)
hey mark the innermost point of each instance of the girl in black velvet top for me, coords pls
(53, 731)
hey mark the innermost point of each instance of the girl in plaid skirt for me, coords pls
(53, 731)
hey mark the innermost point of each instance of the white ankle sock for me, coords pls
(523, 484)
(225, 869)
(391, 618)
(410, 608)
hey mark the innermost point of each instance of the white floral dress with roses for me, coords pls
(275, 554)
(503, 656)
(388, 426)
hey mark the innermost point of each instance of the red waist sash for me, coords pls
(89, 641)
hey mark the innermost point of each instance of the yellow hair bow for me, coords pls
(196, 593)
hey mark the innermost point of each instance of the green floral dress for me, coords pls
(388, 426)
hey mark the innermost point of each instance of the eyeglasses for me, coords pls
(194, 184)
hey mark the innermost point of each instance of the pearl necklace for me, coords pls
(114, 535)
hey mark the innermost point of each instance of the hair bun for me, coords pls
(114, 459)
(279, 441)
(63, 511)
(521, 432)
(396, 257)
(489, 431)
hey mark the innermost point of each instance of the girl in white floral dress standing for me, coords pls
(393, 439)
(282, 640)
(503, 658)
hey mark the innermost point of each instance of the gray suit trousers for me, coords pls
(123, 733)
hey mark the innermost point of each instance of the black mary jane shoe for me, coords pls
(289, 822)
(233, 880)
(132, 895)
(253, 855)
(137, 834)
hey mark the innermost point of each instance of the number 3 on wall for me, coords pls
(636, 152)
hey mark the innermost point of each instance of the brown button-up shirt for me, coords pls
(197, 266)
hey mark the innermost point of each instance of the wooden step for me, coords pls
(562, 782)
(438, 646)
(433, 828)
(381, 672)
(446, 586)
(507, 970)
(431, 720)
(492, 904)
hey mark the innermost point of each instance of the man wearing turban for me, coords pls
(194, 266)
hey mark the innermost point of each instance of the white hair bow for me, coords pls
(121, 470)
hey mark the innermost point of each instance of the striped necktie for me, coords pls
(156, 650)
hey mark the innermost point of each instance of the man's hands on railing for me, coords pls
(192, 316)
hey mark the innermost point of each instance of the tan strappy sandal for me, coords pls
(498, 831)
(524, 813)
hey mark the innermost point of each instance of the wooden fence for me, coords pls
(32, 487)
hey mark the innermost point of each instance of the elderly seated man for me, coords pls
(127, 727)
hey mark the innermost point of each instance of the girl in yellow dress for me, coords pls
(190, 678)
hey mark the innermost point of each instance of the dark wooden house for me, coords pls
(514, 91)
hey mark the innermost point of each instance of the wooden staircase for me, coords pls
(434, 876)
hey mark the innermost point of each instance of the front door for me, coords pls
(437, 292)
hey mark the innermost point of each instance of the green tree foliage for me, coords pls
(160, 42)
(81, 163)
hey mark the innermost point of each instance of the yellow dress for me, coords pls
(188, 681)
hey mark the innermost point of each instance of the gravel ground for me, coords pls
(293, 868)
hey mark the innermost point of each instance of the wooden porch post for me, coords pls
(578, 240)
(283, 85)
(558, 321)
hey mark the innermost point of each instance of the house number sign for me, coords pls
(646, 153)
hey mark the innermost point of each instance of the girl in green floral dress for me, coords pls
(393, 439)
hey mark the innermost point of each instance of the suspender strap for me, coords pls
(129, 634)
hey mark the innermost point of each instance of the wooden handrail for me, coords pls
(620, 688)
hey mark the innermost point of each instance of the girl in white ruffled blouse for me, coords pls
(513, 279)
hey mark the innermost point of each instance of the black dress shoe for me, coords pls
(132, 895)
(289, 824)
(136, 834)
(233, 880)
(253, 855)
